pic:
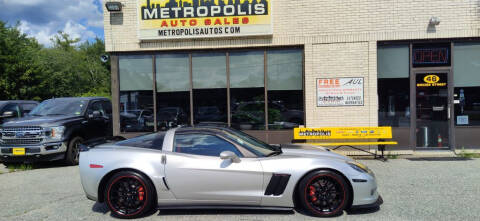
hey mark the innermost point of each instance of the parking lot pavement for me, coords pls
(412, 190)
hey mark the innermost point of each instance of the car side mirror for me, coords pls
(8, 114)
(229, 155)
(95, 115)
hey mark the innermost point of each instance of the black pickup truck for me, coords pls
(54, 130)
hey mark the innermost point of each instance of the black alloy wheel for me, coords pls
(129, 195)
(73, 151)
(324, 193)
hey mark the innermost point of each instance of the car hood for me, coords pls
(302, 150)
(40, 121)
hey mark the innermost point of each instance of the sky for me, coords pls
(42, 19)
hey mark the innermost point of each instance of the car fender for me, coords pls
(303, 166)
(145, 161)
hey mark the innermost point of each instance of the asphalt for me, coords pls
(417, 189)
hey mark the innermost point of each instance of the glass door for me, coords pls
(433, 110)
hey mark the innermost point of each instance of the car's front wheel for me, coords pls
(73, 151)
(323, 193)
(129, 195)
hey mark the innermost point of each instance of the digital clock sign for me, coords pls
(431, 55)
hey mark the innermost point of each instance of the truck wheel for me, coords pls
(73, 151)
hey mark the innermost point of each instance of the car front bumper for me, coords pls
(365, 190)
(377, 203)
(34, 153)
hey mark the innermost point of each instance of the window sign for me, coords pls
(333, 92)
(432, 80)
(431, 55)
(173, 19)
(462, 120)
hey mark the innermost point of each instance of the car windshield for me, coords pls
(60, 107)
(258, 147)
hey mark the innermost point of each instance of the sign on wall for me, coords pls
(333, 92)
(176, 19)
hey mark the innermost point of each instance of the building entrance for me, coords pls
(433, 110)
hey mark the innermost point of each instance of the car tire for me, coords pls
(73, 151)
(129, 195)
(323, 193)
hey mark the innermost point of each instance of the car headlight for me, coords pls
(359, 167)
(56, 133)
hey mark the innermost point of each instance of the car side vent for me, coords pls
(277, 184)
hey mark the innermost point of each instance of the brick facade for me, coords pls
(339, 36)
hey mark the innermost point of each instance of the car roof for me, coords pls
(19, 101)
(79, 98)
(205, 128)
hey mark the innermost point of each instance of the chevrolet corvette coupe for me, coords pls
(222, 168)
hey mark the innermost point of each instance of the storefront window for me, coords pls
(393, 85)
(247, 91)
(173, 91)
(207, 76)
(467, 84)
(285, 88)
(209, 87)
(136, 93)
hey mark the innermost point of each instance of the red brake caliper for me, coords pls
(141, 193)
(312, 193)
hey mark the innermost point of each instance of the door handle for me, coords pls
(164, 159)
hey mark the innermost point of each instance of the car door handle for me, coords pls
(164, 159)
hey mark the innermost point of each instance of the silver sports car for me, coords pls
(216, 167)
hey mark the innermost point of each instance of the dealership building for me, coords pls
(268, 66)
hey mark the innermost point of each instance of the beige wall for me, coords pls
(339, 36)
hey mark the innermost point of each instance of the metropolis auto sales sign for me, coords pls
(177, 19)
(333, 92)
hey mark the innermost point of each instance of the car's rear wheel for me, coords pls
(323, 193)
(73, 151)
(129, 195)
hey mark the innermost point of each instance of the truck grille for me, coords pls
(29, 135)
(21, 141)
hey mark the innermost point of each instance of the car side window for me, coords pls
(150, 141)
(28, 107)
(203, 144)
(107, 106)
(97, 106)
(12, 107)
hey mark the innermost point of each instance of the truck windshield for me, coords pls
(60, 107)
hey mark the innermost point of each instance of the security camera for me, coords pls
(104, 58)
